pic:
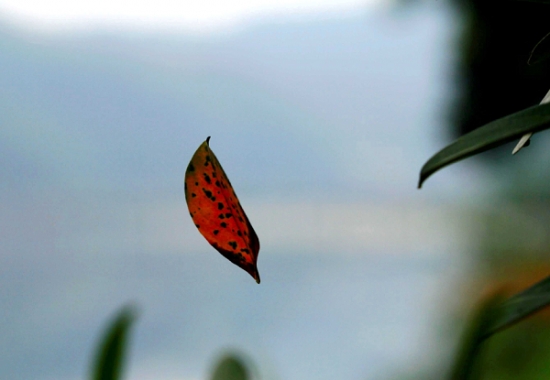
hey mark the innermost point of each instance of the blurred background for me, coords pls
(322, 113)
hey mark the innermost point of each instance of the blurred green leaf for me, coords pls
(469, 351)
(541, 51)
(498, 132)
(111, 351)
(231, 367)
(520, 306)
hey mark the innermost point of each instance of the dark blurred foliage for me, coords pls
(493, 73)
(230, 367)
(494, 78)
(519, 353)
(112, 349)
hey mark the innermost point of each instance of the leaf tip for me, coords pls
(208, 140)
(530, 60)
(421, 180)
(111, 350)
(523, 142)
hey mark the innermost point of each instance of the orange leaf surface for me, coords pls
(217, 212)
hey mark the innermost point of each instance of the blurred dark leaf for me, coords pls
(231, 367)
(541, 51)
(489, 136)
(111, 351)
(469, 351)
(520, 306)
(493, 78)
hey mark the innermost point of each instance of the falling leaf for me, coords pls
(217, 212)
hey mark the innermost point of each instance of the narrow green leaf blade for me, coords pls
(111, 351)
(498, 132)
(520, 306)
(231, 367)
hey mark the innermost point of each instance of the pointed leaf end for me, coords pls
(111, 350)
(523, 142)
(208, 141)
(256, 275)
(423, 177)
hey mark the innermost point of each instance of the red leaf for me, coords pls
(217, 212)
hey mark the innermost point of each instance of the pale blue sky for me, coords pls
(191, 15)
(322, 127)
